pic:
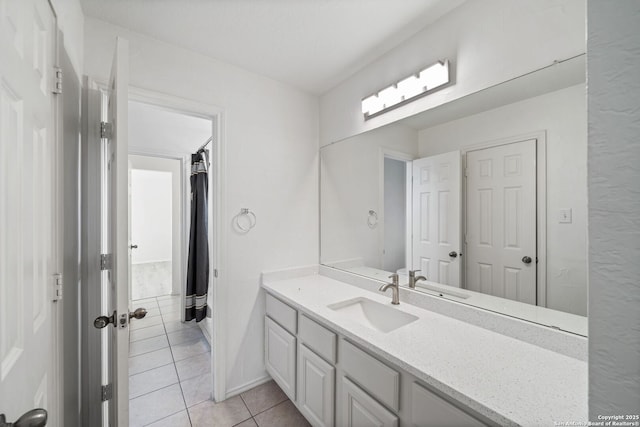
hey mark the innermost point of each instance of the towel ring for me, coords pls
(372, 219)
(245, 212)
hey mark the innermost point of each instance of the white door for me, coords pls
(116, 234)
(501, 221)
(30, 232)
(436, 217)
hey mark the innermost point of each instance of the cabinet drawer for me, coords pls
(282, 313)
(318, 338)
(430, 410)
(371, 374)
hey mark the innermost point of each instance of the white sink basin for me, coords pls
(372, 314)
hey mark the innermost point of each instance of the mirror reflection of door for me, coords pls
(437, 190)
(499, 216)
(501, 221)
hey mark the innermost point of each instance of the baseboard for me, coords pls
(206, 330)
(248, 386)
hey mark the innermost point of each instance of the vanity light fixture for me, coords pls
(406, 90)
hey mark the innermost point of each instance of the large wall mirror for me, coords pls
(485, 197)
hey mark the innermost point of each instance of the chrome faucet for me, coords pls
(395, 285)
(413, 279)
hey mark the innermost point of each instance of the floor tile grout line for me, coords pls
(175, 367)
(147, 352)
(164, 418)
(152, 391)
(177, 378)
(271, 407)
(150, 369)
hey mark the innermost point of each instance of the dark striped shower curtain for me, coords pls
(198, 266)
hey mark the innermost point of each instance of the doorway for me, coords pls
(396, 209)
(155, 199)
(170, 361)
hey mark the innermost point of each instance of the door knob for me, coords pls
(139, 313)
(453, 254)
(526, 259)
(33, 418)
(133, 246)
(103, 321)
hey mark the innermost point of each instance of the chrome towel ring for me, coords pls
(249, 223)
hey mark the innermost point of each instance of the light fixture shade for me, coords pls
(435, 76)
(407, 89)
(371, 105)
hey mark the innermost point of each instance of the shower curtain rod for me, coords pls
(205, 144)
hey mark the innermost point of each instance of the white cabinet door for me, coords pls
(316, 388)
(358, 409)
(280, 356)
(437, 189)
(501, 221)
(429, 410)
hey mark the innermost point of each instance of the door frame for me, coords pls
(541, 204)
(184, 200)
(384, 152)
(217, 234)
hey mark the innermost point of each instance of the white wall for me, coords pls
(151, 216)
(395, 215)
(71, 24)
(562, 115)
(271, 137)
(488, 42)
(350, 188)
(614, 208)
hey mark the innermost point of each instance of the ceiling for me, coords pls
(310, 44)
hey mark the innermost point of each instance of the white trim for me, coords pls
(248, 386)
(56, 363)
(541, 203)
(217, 116)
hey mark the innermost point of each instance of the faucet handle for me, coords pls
(412, 273)
(394, 277)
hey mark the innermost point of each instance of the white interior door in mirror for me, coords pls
(437, 189)
(30, 196)
(501, 221)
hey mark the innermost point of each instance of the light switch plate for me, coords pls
(565, 216)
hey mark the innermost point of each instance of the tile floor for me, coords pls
(170, 378)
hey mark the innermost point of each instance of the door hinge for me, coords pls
(107, 392)
(106, 130)
(215, 272)
(57, 287)
(57, 80)
(106, 261)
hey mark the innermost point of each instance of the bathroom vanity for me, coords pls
(346, 357)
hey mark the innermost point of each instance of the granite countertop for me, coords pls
(507, 380)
